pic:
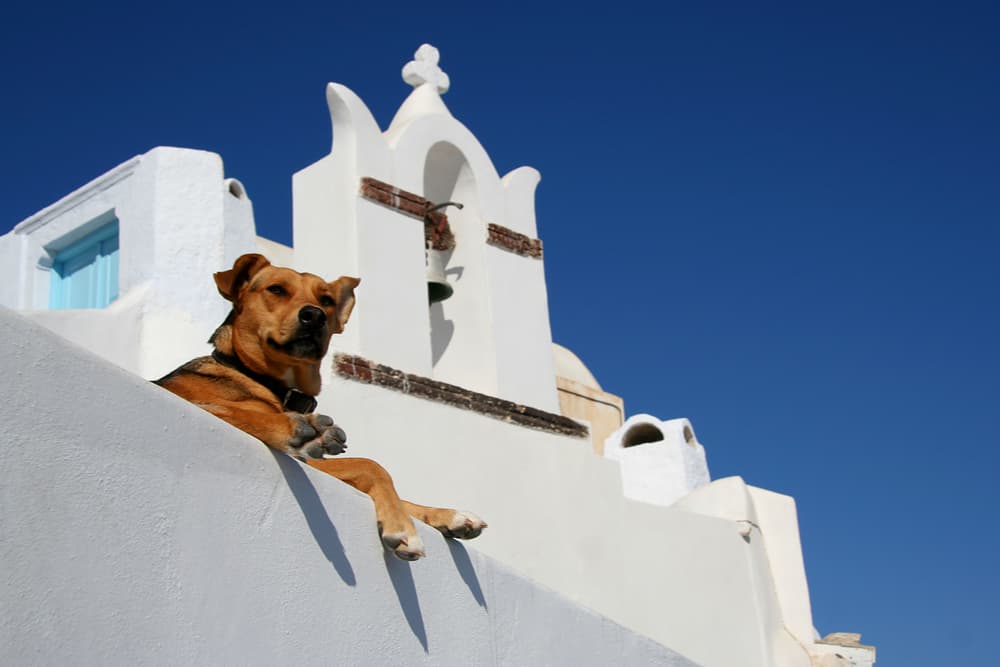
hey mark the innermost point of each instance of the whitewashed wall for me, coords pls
(180, 220)
(137, 529)
(701, 579)
(493, 335)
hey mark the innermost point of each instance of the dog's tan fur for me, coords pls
(276, 333)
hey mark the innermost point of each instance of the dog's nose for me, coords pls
(312, 317)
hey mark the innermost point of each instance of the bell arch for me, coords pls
(461, 335)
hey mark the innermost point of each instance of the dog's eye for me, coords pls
(326, 301)
(277, 290)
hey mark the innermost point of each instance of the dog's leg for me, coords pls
(394, 524)
(451, 523)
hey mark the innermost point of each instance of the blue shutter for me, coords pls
(85, 274)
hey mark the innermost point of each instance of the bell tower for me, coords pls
(424, 195)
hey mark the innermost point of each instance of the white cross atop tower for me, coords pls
(423, 69)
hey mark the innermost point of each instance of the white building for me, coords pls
(466, 400)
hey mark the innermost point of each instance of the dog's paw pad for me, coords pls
(327, 438)
(302, 430)
(465, 526)
(328, 444)
(335, 434)
(403, 546)
(321, 422)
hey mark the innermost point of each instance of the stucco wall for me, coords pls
(493, 334)
(688, 579)
(137, 529)
(180, 220)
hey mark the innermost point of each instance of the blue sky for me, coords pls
(779, 221)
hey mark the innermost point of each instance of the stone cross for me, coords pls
(424, 69)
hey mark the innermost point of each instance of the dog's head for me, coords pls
(281, 318)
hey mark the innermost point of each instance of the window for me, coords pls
(85, 274)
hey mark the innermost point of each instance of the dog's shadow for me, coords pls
(467, 571)
(329, 542)
(325, 534)
(323, 530)
(406, 591)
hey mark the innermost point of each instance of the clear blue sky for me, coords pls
(780, 221)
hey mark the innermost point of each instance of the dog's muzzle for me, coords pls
(308, 341)
(311, 317)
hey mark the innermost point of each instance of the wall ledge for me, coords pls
(81, 194)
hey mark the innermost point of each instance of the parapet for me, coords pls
(155, 533)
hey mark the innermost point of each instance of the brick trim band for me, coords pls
(437, 232)
(363, 370)
(515, 242)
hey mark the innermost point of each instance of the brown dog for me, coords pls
(264, 374)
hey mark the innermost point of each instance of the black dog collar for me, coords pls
(292, 400)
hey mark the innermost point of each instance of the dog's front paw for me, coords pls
(315, 435)
(463, 526)
(404, 544)
(330, 438)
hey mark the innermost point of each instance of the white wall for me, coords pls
(28, 250)
(428, 152)
(686, 578)
(180, 220)
(138, 529)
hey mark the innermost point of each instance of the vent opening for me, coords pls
(640, 434)
(235, 188)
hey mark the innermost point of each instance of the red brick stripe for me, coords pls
(436, 228)
(508, 239)
(363, 370)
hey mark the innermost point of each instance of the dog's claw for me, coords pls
(314, 452)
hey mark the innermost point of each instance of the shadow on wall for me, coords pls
(322, 528)
(406, 592)
(465, 569)
(443, 330)
(327, 538)
(325, 534)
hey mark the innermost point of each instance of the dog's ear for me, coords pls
(343, 294)
(232, 281)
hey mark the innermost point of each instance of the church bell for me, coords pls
(438, 287)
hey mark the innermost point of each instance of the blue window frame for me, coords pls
(85, 274)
